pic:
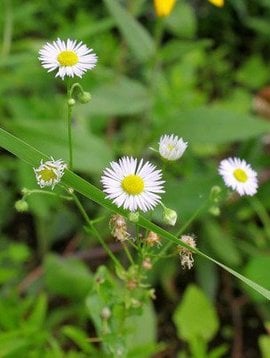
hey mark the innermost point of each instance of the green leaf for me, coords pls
(67, 277)
(195, 317)
(264, 344)
(122, 97)
(182, 21)
(32, 156)
(38, 315)
(141, 329)
(258, 269)
(193, 191)
(253, 73)
(137, 38)
(218, 352)
(79, 337)
(222, 244)
(91, 154)
(214, 125)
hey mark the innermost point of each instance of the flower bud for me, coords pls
(169, 216)
(71, 102)
(215, 193)
(134, 216)
(84, 97)
(21, 206)
(214, 210)
(25, 191)
(106, 313)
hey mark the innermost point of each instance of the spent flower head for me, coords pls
(171, 147)
(152, 239)
(238, 175)
(118, 227)
(71, 58)
(49, 173)
(132, 184)
(186, 257)
(164, 7)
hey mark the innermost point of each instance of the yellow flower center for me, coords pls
(133, 184)
(170, 147)
(47, 174)
(240, 175)
(67, 58)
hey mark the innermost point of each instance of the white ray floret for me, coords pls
(49, 173)
(238, 175)
(70, 58)
(133, 185)
(171, 147)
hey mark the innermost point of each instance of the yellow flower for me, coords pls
(164, 7)
(218, 3)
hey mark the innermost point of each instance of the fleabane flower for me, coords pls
(164, 7)
(133, 185)
(70, 58)
(238, 175)
(171, 147)
(218, 3)
(49, 173)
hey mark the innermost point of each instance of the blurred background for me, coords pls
(201, 73)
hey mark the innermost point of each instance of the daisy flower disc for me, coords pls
(132, 184)
(171, 147)
(50, 172)
(238, 175)
(70, 58)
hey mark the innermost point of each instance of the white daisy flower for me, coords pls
(50, 172)
(238, 175)
(70, 58)
(171, 147)
(133, 185)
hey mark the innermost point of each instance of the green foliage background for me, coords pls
(194, 74)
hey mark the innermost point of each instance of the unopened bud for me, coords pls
(134, 216)
(135, 303)
(21, 206)
(106, 313)
(214, 210)
(215, 193)
(25, 191)
(84, 97)
(71, 102)
(169, 216)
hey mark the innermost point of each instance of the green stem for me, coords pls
(94, 230)
(38, 191)
(73, 88)
(128, 253)
(262, 214)
(181, 230)
(69, 124)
